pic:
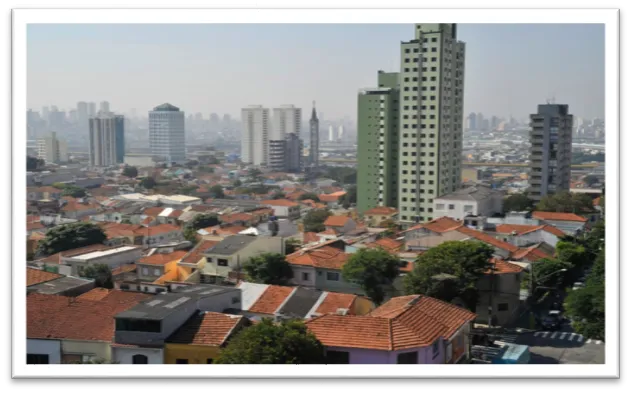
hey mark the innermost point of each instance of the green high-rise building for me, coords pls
(415, 155)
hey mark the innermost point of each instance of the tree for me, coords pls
(350, 197)
(309, 195)
(292, 245)
(565, 202)
(125, 221)
(453, 265)
(130, 171)
(254, 175)
(574, 254)
(59, 185)
(548, 273)
(148, 182)
(586, 309)
(101, 274)
(216, 191)
(190, 234)
(74, 191)
(517, 202)
(71, 236)
(314, 220)
(188, 190)
(268, 268)
(203, 221)
(373, 270)
(288, 342)
(237, 183)
(278, 195)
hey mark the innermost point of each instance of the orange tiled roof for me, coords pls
(328, 232)
(558, 216)
(411, 322)
(162, 259)
(439, 225)
(532, 253)
(235, 217)
(196, 253)
(210, 328)
(153, 211)
(554, 230)
(279, 202)
(387, 244)
(326, 257)
(519, 229)
(483, 237)
(271, 299)
(333, 301)
(502, 267)
(77, 206)
(157, 230)
(293, 196)
(60, 317)
(381, 210)
(95, 294)
(336, 221)
(329, 197)
(36, 276)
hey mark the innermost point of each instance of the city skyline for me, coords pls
(497, 56)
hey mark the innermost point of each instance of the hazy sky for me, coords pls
(509, 68)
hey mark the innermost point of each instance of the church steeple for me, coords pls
(314, 116)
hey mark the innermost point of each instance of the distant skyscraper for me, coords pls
(52, 150)
(107, 139)
(471, 121)
(479, 121)
(286, 119)
(82, 114)
(340, 132)
(104, 106)
(166, 133)
(45, 112)
(91, 109)
(331, 134)
(255, 135)
(72, 116)
(293, 152)
(56, 119)
(314, 139)
(495, 121)
(550, 151)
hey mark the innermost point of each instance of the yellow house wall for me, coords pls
(196, 354)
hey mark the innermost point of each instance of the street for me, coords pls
(558, 347)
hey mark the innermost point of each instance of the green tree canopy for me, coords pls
(314, 220)
(74, 191)
(268, 268)
(566, 202)
(450, 270)
(517, 202)
(586, 308)
(70, 236)
(101, 274)
(278, 195)
(148, 182)
(548, 273)
(237, 183)
(292, 245)
(130, 171)
(217, 191)
(574, 254)
(254, 175)
(350, 197)
(309, 195)
(269, 343)
(374, 270)
(203, 221)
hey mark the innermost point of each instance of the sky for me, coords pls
(509, 68)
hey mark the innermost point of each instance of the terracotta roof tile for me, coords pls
(439, 225)
(502, 267)
(196, 253)
(387, 244)
(36, 276)
(157, 230)
(153, 211)
(401, 323)
(483, 237)
(60, 317)
(336, 221)
(210, 328)
(95, 294)
(532, 253)
(326, 257)
(328, 198)
(554, 230)
(328, 232)
(235, 217)
(271, 299)
(162, 259)
(333, 301)
(381, 210)
(519, 229)
(553, 216)
(279, 202)
(310, 237)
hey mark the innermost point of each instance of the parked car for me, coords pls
(553, 320)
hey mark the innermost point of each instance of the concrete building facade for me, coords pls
(255, 135)
(314, 139)
(51, 149)
(167, 134)
(107, 139)
(550, 151)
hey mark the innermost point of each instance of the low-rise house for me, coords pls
(283, 208)
(56, 263)
(477, 200)
(527, 235)
(69, 330)
(158, 235)
(569, 223)
(80, 208)
(332, 200)
(340, 224)
(375, 216)
(142, 330)
(201, 338)
(232, 252)
(44, 192)
(242, 219)
(282, 302)
(405, 330)
(62, 286)
(112, 257)
(499, 293)
(152, 268)
(320, 267)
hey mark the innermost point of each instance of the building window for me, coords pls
(156, 272)
(440, 206)
(145, 271)
(468, 208)
(407, 358)
(452, 207)
(337, 357)
(181, 361)
(332, 276)
(502, 307)
(139, 359)
(435, 349)
(222, 262)
(305, 276)
(36, 359)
